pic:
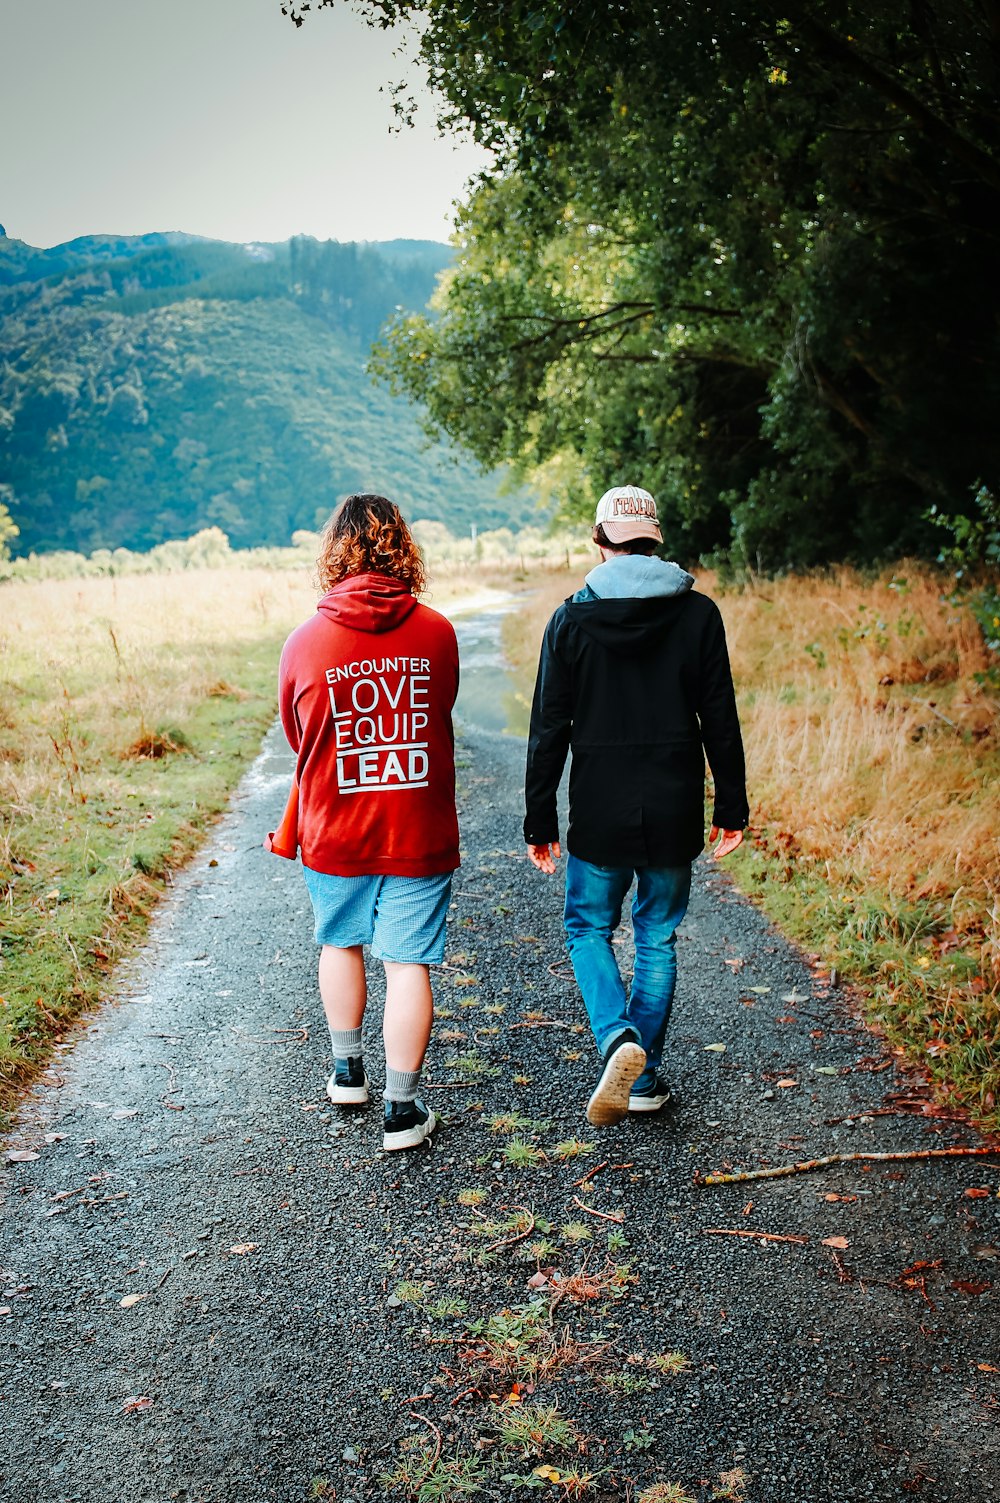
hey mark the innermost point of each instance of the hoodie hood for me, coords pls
(634, 576)
(630, 603)
(368, 602)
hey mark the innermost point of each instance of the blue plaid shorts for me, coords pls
(401, 918)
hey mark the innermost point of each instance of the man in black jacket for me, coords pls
(634, 678)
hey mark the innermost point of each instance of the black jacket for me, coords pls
(641, 690)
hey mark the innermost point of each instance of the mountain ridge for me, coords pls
(154, 385)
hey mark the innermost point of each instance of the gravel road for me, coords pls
(217, 1288)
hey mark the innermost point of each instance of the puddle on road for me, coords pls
(490, 695)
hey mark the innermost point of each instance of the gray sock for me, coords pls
(346, 1043)
(401, 1085)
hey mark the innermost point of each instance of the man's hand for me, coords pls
(544, 857)
(730, 839)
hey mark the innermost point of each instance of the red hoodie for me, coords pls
(366, 689)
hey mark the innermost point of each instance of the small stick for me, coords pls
(510, 1241)
(301, 1036)
(415, 1413)
(618, 1216)
(465, 1394)
(841, 1158)
(722, 1231)
(166, 1274)
(452, 1085)
(546, 1023)
(589, 1175)
(171, 1089)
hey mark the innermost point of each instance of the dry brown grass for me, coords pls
(870, 742)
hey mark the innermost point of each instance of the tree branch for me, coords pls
(852, 61)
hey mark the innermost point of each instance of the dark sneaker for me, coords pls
(623, 1064)
(650, 1098)
(348, 1085)
(407, 1123)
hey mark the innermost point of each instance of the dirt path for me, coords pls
(216, 1289)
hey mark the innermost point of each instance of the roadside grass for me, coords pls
(130, 707)
(873, 766)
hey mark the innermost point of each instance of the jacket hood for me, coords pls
(630, 603)
(368, 602)
(634, 576)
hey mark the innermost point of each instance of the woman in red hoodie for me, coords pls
(366, 693)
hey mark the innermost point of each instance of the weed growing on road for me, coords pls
(732, 1487)
(665, 1492)
(533, 1428)
(522, 1154)
(426, 1477)
(575, 1231)
(572, 1148)
(671, 1364)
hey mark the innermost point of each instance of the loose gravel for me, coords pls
(216, 1287)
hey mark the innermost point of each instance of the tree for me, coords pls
(8, 527)
(742, 255)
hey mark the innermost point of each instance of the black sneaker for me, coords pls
(407, 1123)
(623, 1064)
(651, 1098)
(348, 1085)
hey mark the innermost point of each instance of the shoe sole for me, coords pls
(347, 1095)
(410, 1136)
(610, 1101)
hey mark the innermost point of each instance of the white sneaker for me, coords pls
(623, 1064)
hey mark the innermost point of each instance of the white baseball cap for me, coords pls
(627, 512)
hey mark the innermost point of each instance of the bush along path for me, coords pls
(215, 1287)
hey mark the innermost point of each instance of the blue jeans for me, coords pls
(594, 898)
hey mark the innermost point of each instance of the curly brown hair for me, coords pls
(367, 535)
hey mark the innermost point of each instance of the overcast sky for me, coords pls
(216, 117)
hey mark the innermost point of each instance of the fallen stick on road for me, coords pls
(415, 1414)
(510, 1241)
(722, 1231)
(590, 1174)
(618, 1216)
(742, 1175)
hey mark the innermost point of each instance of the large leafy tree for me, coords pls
(742, 253)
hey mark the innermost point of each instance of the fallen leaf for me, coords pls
(137, 1401)
(6, 1310)
(977, 1192)
(716, 1048)
(125, 1111)
(969, 1288)
(548, 1472)
(130, 1300)
(242, 1247)
(786, 1083)
(761, 991)
(840, 1243)
(21, 1155)
(825, 1070)
(736, 964)
(832, 1195)
(794, 997)
(983, 1367)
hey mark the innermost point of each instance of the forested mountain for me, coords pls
(154, 385)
